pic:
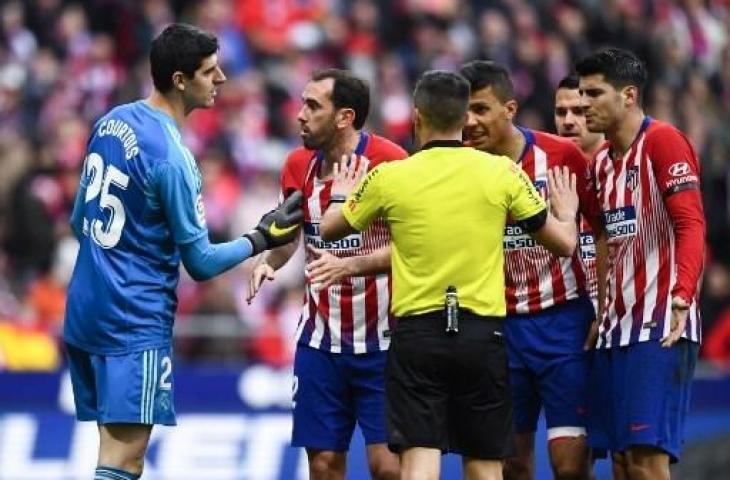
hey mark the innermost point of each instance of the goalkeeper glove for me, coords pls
(279, 226)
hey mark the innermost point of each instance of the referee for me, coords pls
(447, 207)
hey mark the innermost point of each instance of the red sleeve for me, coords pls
(676, 170)
(587, 196)
(294, 171)
(716, 344)
(674, 161)
(383, 150)
(393, 151)
(685, 210)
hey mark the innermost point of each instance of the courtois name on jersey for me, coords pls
(141, 191)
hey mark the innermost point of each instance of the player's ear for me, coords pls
(510, 107)
(178, 81)
(418, 123)
(345, 117)
(630, 94)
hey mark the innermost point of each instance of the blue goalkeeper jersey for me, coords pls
(139, 199)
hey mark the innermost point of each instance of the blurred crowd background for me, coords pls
(64, 63)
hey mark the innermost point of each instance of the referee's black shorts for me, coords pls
(450, 392)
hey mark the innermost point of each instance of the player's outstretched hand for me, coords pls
(326, 268)
(279, 226)
(563, 193)
(680, 310)
(348, 173)
(261, 272)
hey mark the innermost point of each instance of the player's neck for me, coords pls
(512, 145)
(345, 144)
(590, 149)
(168, 105)
(625, 132)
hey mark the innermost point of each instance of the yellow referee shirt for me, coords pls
(446, 207)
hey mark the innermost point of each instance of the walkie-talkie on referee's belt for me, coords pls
(451, 305)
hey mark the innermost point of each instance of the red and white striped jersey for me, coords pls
(353, 315)
(587, 246)
(535, 278)
(632, 194)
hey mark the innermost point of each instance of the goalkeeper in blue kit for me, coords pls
(137, 214)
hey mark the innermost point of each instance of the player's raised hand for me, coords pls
(680, 310)
(325, 269)
(348, 173)
(261, 272)
(279, 226)
(563, 193)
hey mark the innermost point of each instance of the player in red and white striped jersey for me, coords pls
(351, 316)
(548, 309)
(647, 179)
(343, 334)
(637, 194)
(570, 122)
(536, 278)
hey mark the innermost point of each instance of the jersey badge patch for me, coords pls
(200, 210)
(632, 178)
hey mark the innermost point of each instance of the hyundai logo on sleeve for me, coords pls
(679, 169)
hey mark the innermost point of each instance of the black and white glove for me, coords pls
(279, 226)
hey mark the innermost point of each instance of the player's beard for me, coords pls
(320, 140)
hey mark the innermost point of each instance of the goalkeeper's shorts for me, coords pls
(130, 388)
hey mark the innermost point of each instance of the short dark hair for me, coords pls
(179, 48)
(442, 98)
(571, 82)
(482, 74)
(619, 67)
(348, 91)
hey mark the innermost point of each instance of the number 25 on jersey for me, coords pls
(100, 179)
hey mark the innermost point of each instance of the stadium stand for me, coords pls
(62, 63)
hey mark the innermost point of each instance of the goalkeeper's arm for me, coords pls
(204, 260)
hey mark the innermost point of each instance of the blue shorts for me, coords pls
(132, 388)
(640, 396)
(331, 392)
(548, 367)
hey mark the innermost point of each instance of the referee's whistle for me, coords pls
(451, 305)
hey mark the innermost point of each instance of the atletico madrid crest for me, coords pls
(632, 178)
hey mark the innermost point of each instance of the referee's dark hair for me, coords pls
(348, 92)
(442, 99)
(179, 48)
(482, 74)
(620, 68)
